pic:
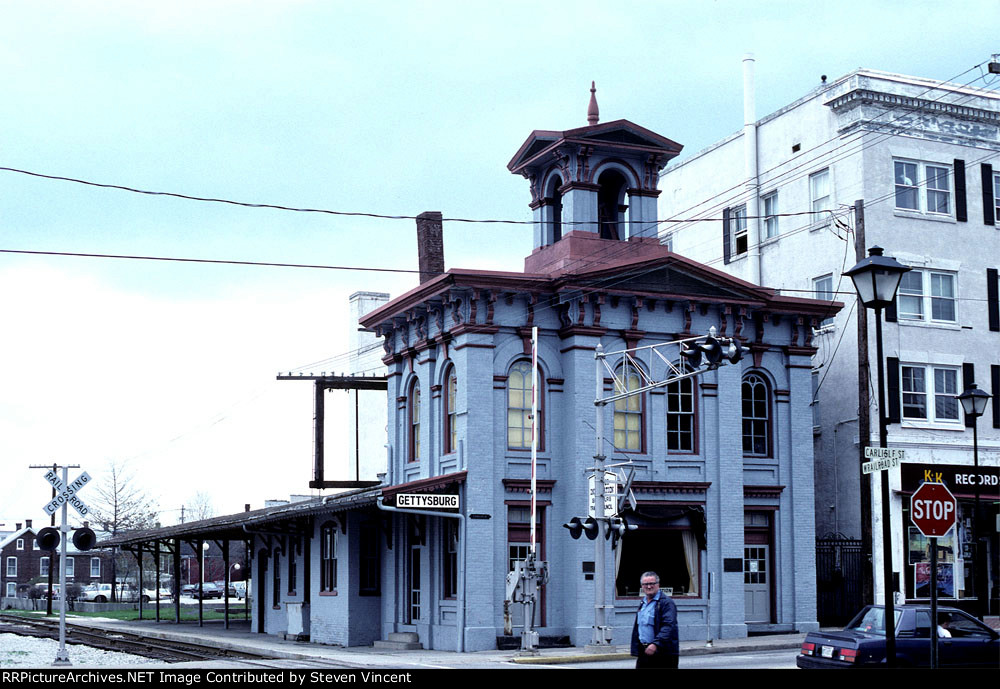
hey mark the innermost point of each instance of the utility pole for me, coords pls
(864, 418)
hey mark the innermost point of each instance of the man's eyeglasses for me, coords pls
(649, 583)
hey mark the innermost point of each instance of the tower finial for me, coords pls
(592, 113)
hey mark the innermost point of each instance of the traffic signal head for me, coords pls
(48, 538)
(84, 539)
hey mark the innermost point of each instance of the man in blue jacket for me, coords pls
(654, 635)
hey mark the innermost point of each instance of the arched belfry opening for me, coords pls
(553, 202)
(594, 183)
(611, 204)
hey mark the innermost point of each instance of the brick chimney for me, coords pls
(27, 523)
(430, 245)
(17, 526)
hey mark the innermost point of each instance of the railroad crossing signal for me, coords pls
(714, 350)
(66, 494)
(933, 509)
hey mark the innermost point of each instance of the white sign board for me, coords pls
(427, 501)
(610, 494)
(882, 458)
(66, 495)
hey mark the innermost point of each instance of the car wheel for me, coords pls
(100, 599)
(145, 599)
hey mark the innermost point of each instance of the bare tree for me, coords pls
(122, 505)
(200, 507)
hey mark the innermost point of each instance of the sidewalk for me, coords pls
(240, 638)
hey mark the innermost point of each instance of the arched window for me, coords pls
(554, 199)
(610, 204)
(450, 411)
(756, 416)
(629, 413)
(519, 407)
(681, 415)
(413, 421)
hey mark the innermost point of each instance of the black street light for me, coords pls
(876, 279)
(974, 403)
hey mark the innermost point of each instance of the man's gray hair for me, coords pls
(650, 574)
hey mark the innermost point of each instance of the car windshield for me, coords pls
(872, 621)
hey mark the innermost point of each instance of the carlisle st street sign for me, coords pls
(882, 458)
(933, 509)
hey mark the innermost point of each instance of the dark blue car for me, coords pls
(963, 641)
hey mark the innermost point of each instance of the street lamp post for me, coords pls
(974, 404)
(876, 280)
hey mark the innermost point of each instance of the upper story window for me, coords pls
(70, 567)
(43, 567)
(628, 414)
(20, 544)
(927, 295)
(770, 215)
(519, 425)
(756, 416)
(451, 411)
(413, 421)
(681, 416)
(738, 229)
(996, 195)
(823, 289)
(933, 178)
(12, 566)
(929, 392)
(95, 566)
(819, 193)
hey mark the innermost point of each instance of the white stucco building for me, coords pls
(774, 204)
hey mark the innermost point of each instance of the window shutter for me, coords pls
(995, 379)
(968, 378)
(988, 209)
(726, 248)
(892, 364)
(961, 213)
(993, 298)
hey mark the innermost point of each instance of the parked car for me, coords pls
(963, 641)
(222, 586)
(186, 589)
(241, 589)
(42, 591)
(101, 593)
(210, 591)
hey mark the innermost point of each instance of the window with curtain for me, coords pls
(756, 416)
(629, 413)
(451, 411)
(413, 421)
(519, 407)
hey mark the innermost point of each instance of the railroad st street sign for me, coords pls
(933, 509)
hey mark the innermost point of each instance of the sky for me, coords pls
(389, 108)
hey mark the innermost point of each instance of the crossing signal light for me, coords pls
(617, 529)
(578, 526)
(84, 539)
(692, 355)
(712, 349)
(734, 351)
(47, 538)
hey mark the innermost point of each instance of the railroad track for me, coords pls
(169, 651)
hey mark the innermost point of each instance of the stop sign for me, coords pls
(933, 509)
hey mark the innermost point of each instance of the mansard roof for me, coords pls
(619, 135)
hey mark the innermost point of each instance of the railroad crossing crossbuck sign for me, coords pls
(66, 494)
(933, 509)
